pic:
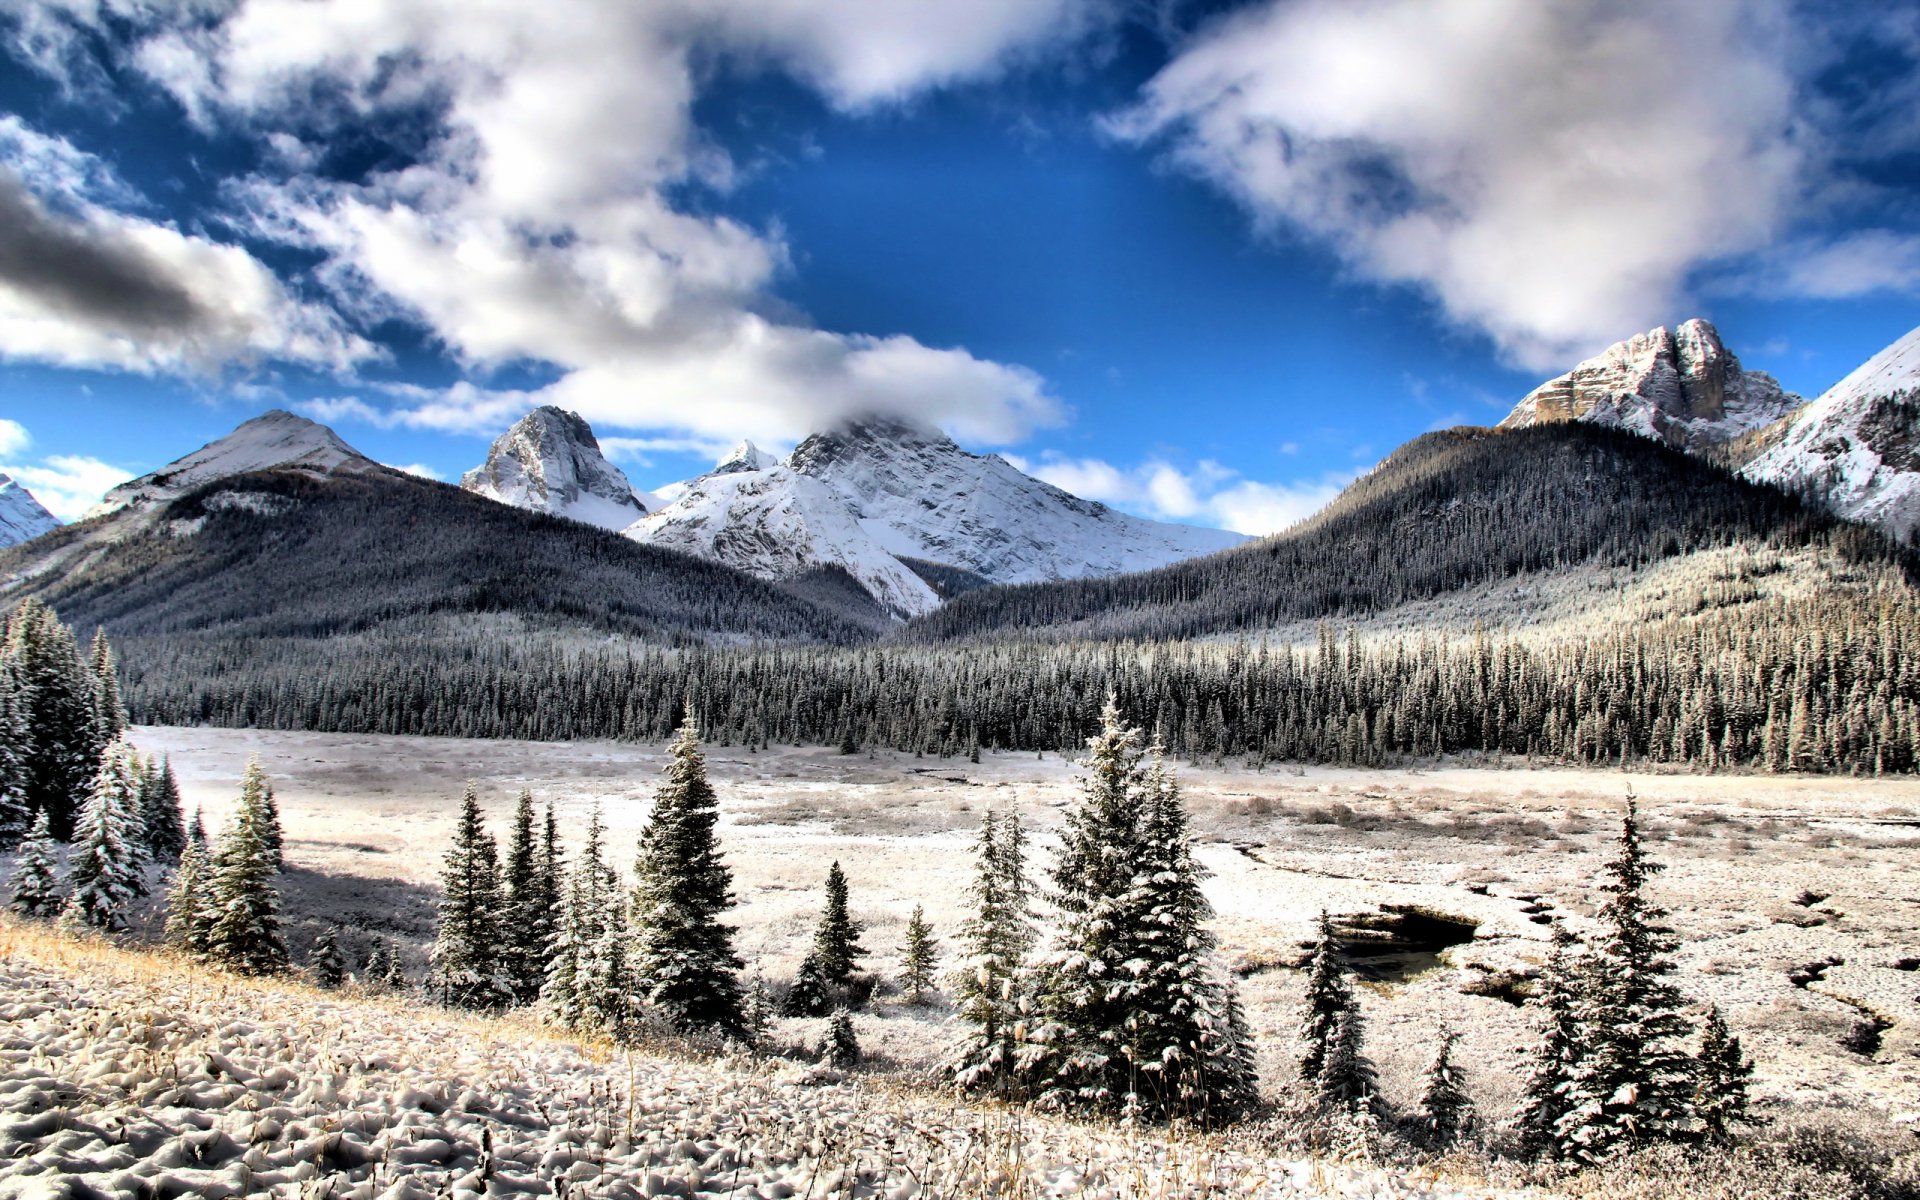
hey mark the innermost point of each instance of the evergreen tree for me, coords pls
(464, 965)
(62, 737)
(1130, 1010)
(107, 869)
(384, 969)
(1446, 1112)
(189, 899)
(243, 910)
(1546, 1099)
(811, 994)
(758, 1011)
(836, 945)
(16, 811)
(35, 890)
(842, 1047)
(1635, 1080)
(324, 963)
(1724, 1073)
(1346, 1082)
(256, 792)
(1329, 997)
(526, 933)
(160, 817)
(586, 987)
(997, 939)
(684, 964)
(197, 829)
(918, 957)
(109, 712)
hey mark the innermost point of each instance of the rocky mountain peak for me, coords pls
(22, 518)
(551, 462)
(744, 457)
(1679, 385)
(273, 441)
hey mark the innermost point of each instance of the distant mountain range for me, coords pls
(22, 518)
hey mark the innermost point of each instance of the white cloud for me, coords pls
(419, 470)
(1856, 264)
(1209, 494)
(67, 485)
(1552, 171)
(13, 438)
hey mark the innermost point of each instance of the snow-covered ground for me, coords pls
(125, 1074)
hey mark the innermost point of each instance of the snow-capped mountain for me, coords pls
(22, 518)
(551, 462)
(872, 493)
(1681, 386)
(1856, 448)
(274, 440)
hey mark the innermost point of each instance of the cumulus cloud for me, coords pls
(1551, 171)
(1207, 494)
(418, 470)
(546, 218)
(67, 485)
(13, 438)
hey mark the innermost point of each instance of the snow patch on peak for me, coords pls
(1678, 385)
(22, 518)
(744, 457)
(275, 440)
(551, 462)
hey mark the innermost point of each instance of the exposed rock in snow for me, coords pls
(744, 457)
(871, 492)
(273, 441)
(22, 518)
(1857, 448)
(1680, 386)
(551, 462)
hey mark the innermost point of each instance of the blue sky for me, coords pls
(1202, 262)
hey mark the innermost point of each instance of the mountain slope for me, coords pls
(22, 518)
(1681, 386)
(1447, 511)
(323, 542)
(871, 494)
(1857, 448)
(550, 462)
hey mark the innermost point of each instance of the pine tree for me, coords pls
(1446, 1112)
(684, 964)
(384, 969)
(109, 713)
(997, 939)
(811, 994)
(1329, 997)
(256, 792)
(1634, 1081)
(160, 817)
(836, 945)
(464, 965)
(1346, 1083)
(586, 987)
(243, 929)
(16, 811)
(757, 1013)
(1724, 1073)
(918, 957)
(35, 890)
(107, 869)
(1131, 1013)
(189, 899)
(62, 740)
(842, 1047)
(527, 931)
(1546, 1099)
(324, 962)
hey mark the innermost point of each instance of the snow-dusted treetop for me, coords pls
(22, 518)
(1681, 386)
(551, 462)
(275, 440)
(873, 491)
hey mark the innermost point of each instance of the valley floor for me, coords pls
(1797, 898)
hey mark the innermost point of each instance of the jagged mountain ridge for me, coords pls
(22, 517)
(274, 441)
(871, 494)
(550, 462)
(1857, 448)
(1678, 385)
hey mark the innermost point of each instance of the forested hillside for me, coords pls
(1447, 511)
(282, 554)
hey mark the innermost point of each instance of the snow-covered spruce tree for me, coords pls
(586, 986)
(189, 898)
(109, 712)
(918, 957)
(1127, 1003)
(836, 940)
(107, 869)
(1635, 1081)
(811, 995)
(35, 891)
(243, 895)
(996, 940)
(62, 740)
(1446, 1111)
(16, 814)
(1346, 1083)
(384, 970)
(526, 931)
(463, 967)
(256, 792)
(1723, 1076)
(1546, 1098)
(1329, 997)
(683, 960)
(160, 817)
(842, 1047)
(324, 962)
